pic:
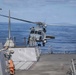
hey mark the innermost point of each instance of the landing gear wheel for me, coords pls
(43, 44)
(40, 38)
(39, 44)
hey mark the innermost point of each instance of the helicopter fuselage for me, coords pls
(38, 34)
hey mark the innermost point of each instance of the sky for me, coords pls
(48, 11)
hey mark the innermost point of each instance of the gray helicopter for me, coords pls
(37, 34)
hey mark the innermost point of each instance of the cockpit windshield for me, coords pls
(35, 32)
(32, 32)
(39, 32)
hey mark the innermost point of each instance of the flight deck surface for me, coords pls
(50, 64)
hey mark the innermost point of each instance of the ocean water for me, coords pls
(64, 42)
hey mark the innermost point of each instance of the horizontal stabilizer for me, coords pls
(50, 37)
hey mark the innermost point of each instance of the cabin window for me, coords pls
(44, 30)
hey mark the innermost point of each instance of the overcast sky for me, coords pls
(49, 11)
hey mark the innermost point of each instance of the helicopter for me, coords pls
(37, 34)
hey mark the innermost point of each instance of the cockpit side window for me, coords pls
(36, 32)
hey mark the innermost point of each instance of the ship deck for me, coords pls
(50, 64)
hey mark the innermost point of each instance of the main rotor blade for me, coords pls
(0, 8)
(18, 19)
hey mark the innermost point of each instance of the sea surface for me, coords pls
(64, 42)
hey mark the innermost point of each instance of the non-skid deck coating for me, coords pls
(52, 64)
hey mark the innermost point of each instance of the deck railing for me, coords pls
(73, 68)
